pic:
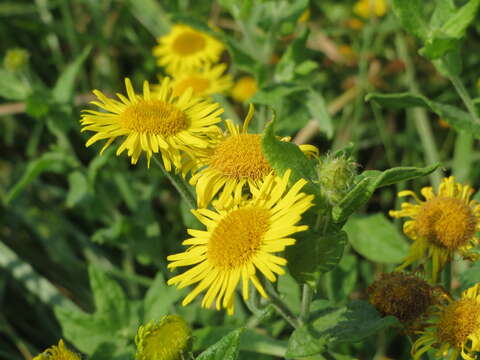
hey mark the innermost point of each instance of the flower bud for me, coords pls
(15, 59)
(57, 352)
(336, 176)
(170, 338)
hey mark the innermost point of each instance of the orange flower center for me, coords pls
(189, 43)
(446, 222)
(153, 117)
(240, 157)
(238, 237)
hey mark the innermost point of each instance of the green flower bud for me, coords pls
(170, 338)
(15, 59)
(336, 176)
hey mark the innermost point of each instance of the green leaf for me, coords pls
(111, 322)
(377, 239)
(160, 299)
(352, 323)
(318, 109)
(282, 155)
(457, 24)
(444, 9)
(51, 161)
(151, 15)
(225, 349)
(38, 104)
(457, 118)
(370, 180)
(409, 12)
(314, 254)
(77, 188)
(13, 87)
(438, 45)
(242, 59)
(64, 87)
(293, 56)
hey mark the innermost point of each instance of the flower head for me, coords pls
(239, 240)
(244, 88)
(170, 338)
(440, 225)
(206, 81)
(369, 8)
(57, 352)
(185, 48)
(16, 59)
(454, 328)
(153, 123)
(404, 296)
(234, 160)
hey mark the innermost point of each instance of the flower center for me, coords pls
(188, 43)
(446, 222)
(241, 156)
(238, 237)
(198, 84)
(458, 321)
(153, 117)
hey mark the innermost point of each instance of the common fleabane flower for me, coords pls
(186, 48)
(240, 240)
(57, 352)
(441, 225)
(233, 160)
(454, 329)
(153, 123)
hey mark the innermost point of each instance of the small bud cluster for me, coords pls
(336, 177)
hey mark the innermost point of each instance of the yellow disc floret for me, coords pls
(446, 222)
(238, 237)
(154, 117)
(240, 156)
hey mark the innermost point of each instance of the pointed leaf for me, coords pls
(225, 349)
(409, 12)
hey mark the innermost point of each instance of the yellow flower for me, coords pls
(16, 59)
(369, 8)
(185, 48)
(239, 240)
(404, 296)
(153, 123)
(305, 16)
(57, 352)
(454, 329)
(441, 224)
(234, 160)
(244, 88)
(167, 339)
(206, 81)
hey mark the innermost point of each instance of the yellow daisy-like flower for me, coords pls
(185, 48)
(441, 224)
(234, 160)
(167, 339)
(204, 82)
(244, 88)
(239, 240)
(454, 330)
(57, 352)
(369, 8)
(153, 123)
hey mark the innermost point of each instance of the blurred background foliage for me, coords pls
(64, 208)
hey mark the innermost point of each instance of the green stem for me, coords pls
(280, 306)
(419, 115)
(180, 184)
(467, 100)
(447, 276)
(306, 301)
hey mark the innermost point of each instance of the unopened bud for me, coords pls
(15, 59)
(336, 177)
